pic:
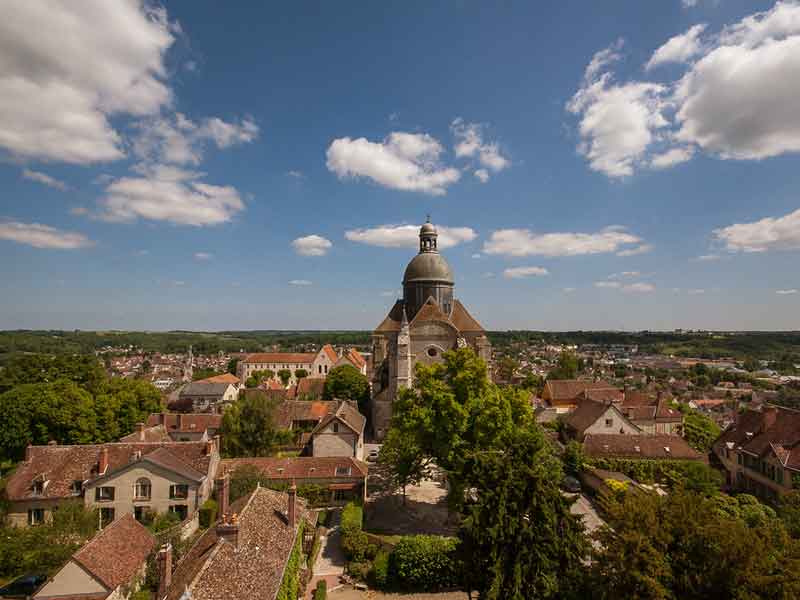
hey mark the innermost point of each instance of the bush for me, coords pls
(208, 513)
(321, 593)
(359, 570)
(424, 563)
(355, 545)
(352, 517)
(379, 576)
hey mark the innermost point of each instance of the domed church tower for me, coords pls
(425, 323)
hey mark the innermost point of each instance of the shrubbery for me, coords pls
(355, 542)
(208, 513)
(424, 562)
(321, 593)
(379, 575)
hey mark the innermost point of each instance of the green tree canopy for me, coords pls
(284, 375)
(249, 427)
(347, 383)
(568, 367)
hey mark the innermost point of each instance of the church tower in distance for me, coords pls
(425, 323)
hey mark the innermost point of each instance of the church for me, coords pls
(425, 323)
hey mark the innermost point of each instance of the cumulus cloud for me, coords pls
(312, 245)
(470, 143)
(524, 242)
(523, 272)
(678, 49)
(407, 236)
(179, 140)
(770, 233)
(641, 288)
(402, 161)
(707, 258)
(696, 292)
(640, 249)
(45, 179)
(164, 193)
(735, 100)
(203, 256)
(56, 97)
(785, 292)
(300, 282)
(42, 236)
(607, 284)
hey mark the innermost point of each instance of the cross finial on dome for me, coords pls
(429, 218)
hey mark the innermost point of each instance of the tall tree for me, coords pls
(347, 383)
(249, 426)
(568, 367)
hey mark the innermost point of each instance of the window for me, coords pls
(432, 352)
(141, 513)
(320, 369)
(342, 471)
(739, 458)
(609, 422)
(335, 428)
(35, 516)
(141, 489)
(180, 509)
(179, 491)
(106, 516)
(340, 495)
(38, 487)
(104, 494)
(76, 488)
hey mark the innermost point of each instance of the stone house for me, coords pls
(639, 447)
(117, 478)
(208, 397)
(597, 417)
(760, 452)
(566, 394)
(181, 427)
(339, 433)
(111, 566)
(316, 365)
(652, 414)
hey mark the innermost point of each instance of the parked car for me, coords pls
(570, 484)
(23, 587)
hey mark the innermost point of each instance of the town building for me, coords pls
(597, 417)
(110, 566)
(419, 328)
(639, 447)
(760, 452)
(201, 396)
(176, 427)
(344, 476)
(137, 478)
(340, 433)
(246, 555)
(565, 394)
(652, 414)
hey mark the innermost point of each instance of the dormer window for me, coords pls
(335, 428)
(342, 471)
(38, 487)
(76, 488)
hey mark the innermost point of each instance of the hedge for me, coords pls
(290, 585)
(424, 563)
(379, 575)
(352, 517)
(208, 513)
(321, 593)
(645, 471)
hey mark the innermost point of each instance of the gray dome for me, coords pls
(427, 228)
(428, 266)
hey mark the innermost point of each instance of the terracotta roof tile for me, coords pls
(298, 467)
(639, 446)
(181, 422)
(774, 429)
(330, 353)
(586, 414)
(281, 357)
(392, 320)
(115, 554)
(224, 378)
(157, 433)
(462, 320)
(570, 389)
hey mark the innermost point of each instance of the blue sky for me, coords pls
(622, 165)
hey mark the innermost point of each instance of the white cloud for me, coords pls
(407, 236)
(641, 249)
(295, 174)
(477, 255)
(642, 288)
(402, 161)
(523, 242)
(771, 233)
(624, 274)
(45, 179)
(300, 282)
(569, 290)
(522, 272)
(312, 245)
(66, 68)
(42, 236)
(203, 256)
(785, 292)
(672, 157)
(696, 292)
(607, 284)
(689, 3)
(164, 193)
(470, 143)
(617, 121)
(179, 140)
(678, 49)
(707, 258)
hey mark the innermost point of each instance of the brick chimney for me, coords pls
(28, 453)
(228, 530)
(163, 419)
(223, 485)
(140, 431)
(164, 569)
(180, 421)
(102, 463)
(292, 516)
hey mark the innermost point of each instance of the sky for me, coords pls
(590, 165)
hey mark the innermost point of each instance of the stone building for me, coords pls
(425, 323)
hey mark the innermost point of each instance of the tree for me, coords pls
(204, 373)
(347, 383)
(574, 459)
(249, 427)
(233, 365)
(506, 368)
(700, 431)
(403, 458)
(567, 368)
(284, 375)
(300, 374)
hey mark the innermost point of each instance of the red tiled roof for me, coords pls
(586, 414)
(775, 429)
(393, 319)
(303, 410)
(570, 389)
(636, 398)
(157, 433)
(598, 445)
(356, 358)
(462, 320)
(299, 467)
(63, 465)
(224, 378)
(192, 422)
(330, 353)
(281, 357)
(430, 311)
(116, 554)
(348, 415)
(307, 388)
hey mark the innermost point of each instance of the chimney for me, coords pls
(180, 421)
(770, 416)
(164, 569)
(209, 447)
(292, 516)
(163, 419)
(228, 529)
(102, 464)
(223, 485)
(28, 453)
(140, 431)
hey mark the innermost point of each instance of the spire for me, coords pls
(428, 237)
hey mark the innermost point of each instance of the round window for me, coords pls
(432, 352)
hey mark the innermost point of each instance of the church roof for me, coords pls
(392, 320)
(430, 311)
(428, 266)
(462, 320)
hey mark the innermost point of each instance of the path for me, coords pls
(330, 560)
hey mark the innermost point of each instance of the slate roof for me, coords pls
(348, 414)
(298, 467)
(639, 446)
(215, 570)
(181, 422)
(774, 429)
(115, 555)
(460, 318)
(280, 357)
(62, 465)
(202, 388)
(586, 414)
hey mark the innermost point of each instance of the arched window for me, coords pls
(141, 489)
(432, 352)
